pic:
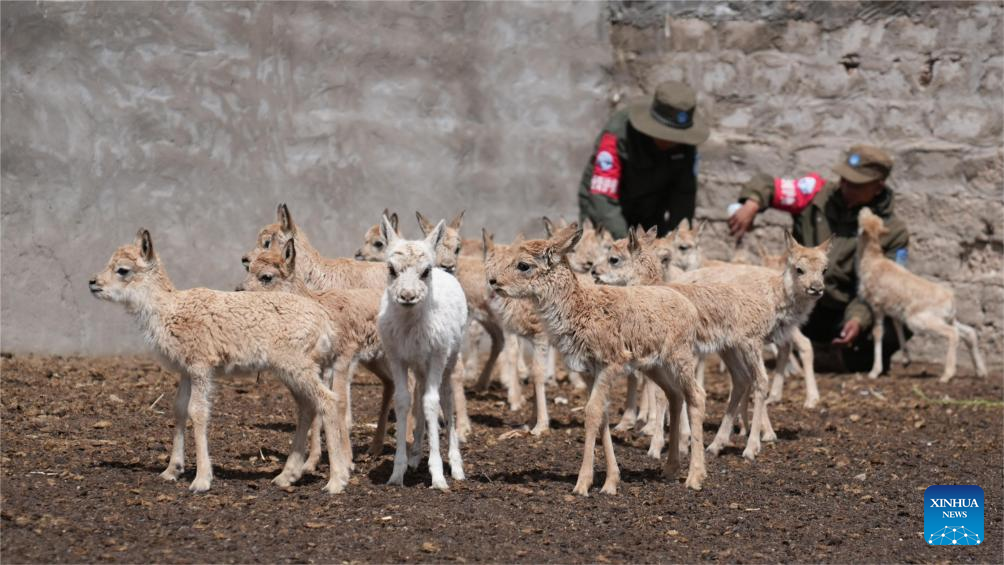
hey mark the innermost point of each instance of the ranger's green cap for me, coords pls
(864, 163)
(670, 115)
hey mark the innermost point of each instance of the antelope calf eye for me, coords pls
(825, 269)
(425, 273)
(800, 270)
(615, 260)
(393, 272)
(683, 247)
(522, 267)
(378, 244)
(267, 243)
(122, 271)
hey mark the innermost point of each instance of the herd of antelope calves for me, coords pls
(644, 308)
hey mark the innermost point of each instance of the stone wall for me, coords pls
(790, 85)
(195, 119)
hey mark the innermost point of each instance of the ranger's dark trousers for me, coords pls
(824, 326)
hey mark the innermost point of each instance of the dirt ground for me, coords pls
(84, 440)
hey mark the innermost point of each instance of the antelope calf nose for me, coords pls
(492, 282)
(92, 282)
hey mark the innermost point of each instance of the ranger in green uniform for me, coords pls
(822, 209)
(643, 170)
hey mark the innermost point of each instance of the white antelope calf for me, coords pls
(890, 290)
(201, 332)
(423, 314)
(353, 314)
(608, 332)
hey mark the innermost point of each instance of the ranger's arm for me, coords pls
(599, 189)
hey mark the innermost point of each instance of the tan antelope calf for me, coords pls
(890, 290)
(801, 344)
(735, 320)
(316, 271)
(608, 332)
(374, 248)
(520, 318)
(353, 315)
(789, 297)
(200, 333)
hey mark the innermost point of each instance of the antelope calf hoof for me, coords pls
(440, 484)
(774, 399)
(694, 483)
(750, 453)
(283, 480)
(609, 487)
(309, 467)
(396, 480)
(540, 430)
(582, 487)
(457, 472)
(200, 485)
(714, 449)
(334, 487)
(172, 473)
(655, 451)
(945, 378)
(873, 374)
(769, 437)
(811, 403)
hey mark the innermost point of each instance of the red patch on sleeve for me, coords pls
(606, 168)
(794, 195)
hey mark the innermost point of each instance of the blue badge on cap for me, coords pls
(682, 117)
(854, 160)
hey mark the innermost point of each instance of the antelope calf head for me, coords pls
(805, 267)
(526, 269)
(272, 235)
(684, 247)
(410, 263)
(592, 247)
(870, 224)
(630, 261)
(374, 246)
(450, 244)
(272, 270)
(131, 273)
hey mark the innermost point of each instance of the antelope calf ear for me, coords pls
(563, 242)
(392, 216)
(789, 241)
(388, 231)
(548, 226)
(634, 246)
(489, 242)
(457, 221)
(825, 246)
(145, 244)
(700, 228)
(684, 225)
(434, 236)
(424, 223)
(285, 218)
(289, 255)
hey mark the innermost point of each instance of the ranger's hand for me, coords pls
(742, 220)
(850, 332)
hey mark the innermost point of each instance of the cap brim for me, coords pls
(643, 121)
(854, 175)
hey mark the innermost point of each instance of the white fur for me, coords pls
(424, 337)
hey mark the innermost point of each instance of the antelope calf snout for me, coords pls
(93, 284)
(246, 261)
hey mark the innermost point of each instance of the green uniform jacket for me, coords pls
(827, 216)
(629, 182)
